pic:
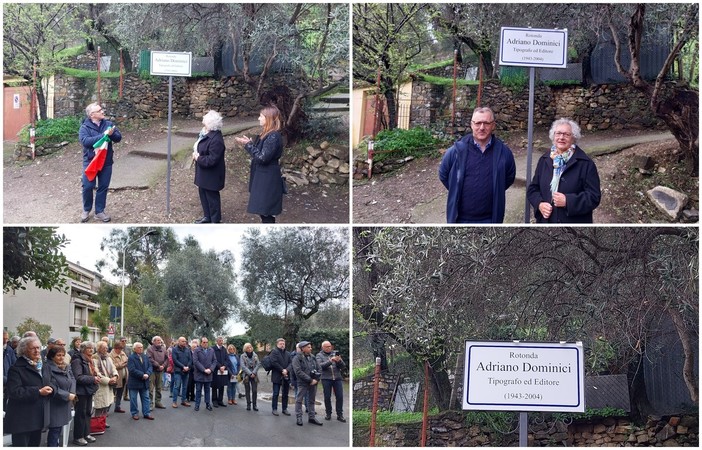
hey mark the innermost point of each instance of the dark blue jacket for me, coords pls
(9, 357)
(137, 370)
(452, 171)
(90, 133)
(182, 358)
(85, 380)
(204, 359)
(579, 182)
(266, 181)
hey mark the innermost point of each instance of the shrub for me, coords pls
(53, 131)
(398, 143)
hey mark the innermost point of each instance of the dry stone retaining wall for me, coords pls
(449, 429)
(597, 107)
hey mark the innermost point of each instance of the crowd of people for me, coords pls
(266, 184)
(42, 387)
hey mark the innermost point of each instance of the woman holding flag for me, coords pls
(96, 135)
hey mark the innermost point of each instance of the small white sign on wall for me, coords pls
(16, 101)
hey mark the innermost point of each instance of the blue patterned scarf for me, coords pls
(559, 162)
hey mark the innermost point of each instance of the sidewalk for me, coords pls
(435, 210)
(144, 163)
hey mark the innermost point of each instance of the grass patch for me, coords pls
(556, 83)
(441, 81)
(398, 143)
(363, 417)
(87, 74)
(72, 51)
(434, 65)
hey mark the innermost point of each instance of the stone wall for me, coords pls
(449, 429)
(326, 164)
(148, 98)
(601, 107)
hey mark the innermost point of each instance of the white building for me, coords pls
(66, 312)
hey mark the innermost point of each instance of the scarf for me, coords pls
(35, 364)
(559, 162)
(202, 134)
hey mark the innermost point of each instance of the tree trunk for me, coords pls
(391, 107)
(41, 100)
(441, 387)
(687, 345)
(322, 46)
(680, 112)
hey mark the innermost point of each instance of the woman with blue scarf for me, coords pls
(566, 186)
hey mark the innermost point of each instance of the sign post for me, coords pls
(523, 376)
(533, 47)
(170, 64)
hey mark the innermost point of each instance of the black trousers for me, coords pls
(28, 439)
(81, 424)
(211, 204)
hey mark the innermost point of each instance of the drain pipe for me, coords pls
(376, 393)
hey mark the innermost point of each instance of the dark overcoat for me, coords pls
(209, 167)
(137, 369)
(204, 358)
(579, 182)
(63, 384)
(266, 181)
(280, 359)
(27, 410)
(85, 380)
(222, 359)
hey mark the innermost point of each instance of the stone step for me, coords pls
(335, 98)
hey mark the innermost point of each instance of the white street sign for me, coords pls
(176, 64)
(533, 47)
(515, 376)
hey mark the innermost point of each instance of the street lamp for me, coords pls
(124, 259)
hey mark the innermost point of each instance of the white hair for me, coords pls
(212, 120)
(91, 108)
(574, 128)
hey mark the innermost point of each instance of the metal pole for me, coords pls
(33, 111)
(530, 144)
(168, 157)
(121, 73)
(478, 102)
(121, 313)
(374, 409)
(99, 99)
(425, 410)
(523, 428)
(455, 73)
(376, 119)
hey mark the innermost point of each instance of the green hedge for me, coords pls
(53, 131)
(398, 143)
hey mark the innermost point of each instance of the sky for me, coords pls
(84, 246)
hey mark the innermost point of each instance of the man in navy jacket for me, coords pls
(138, 383)
(477, 170)
(93, 128)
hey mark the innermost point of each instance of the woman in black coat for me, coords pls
(208, 154)
(63, 383)
(266, 181)
(87, 381)
(566, 186)
(28, 395)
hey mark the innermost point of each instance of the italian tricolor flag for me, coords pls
(98, 161)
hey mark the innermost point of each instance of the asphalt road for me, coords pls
(232, 426)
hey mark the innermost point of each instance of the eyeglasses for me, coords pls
(98, 111)
(562, 134)
(482, 124)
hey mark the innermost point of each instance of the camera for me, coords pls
(316, 375)
(334, 353)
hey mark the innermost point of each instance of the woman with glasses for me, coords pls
(28, 393)
(566, 186)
